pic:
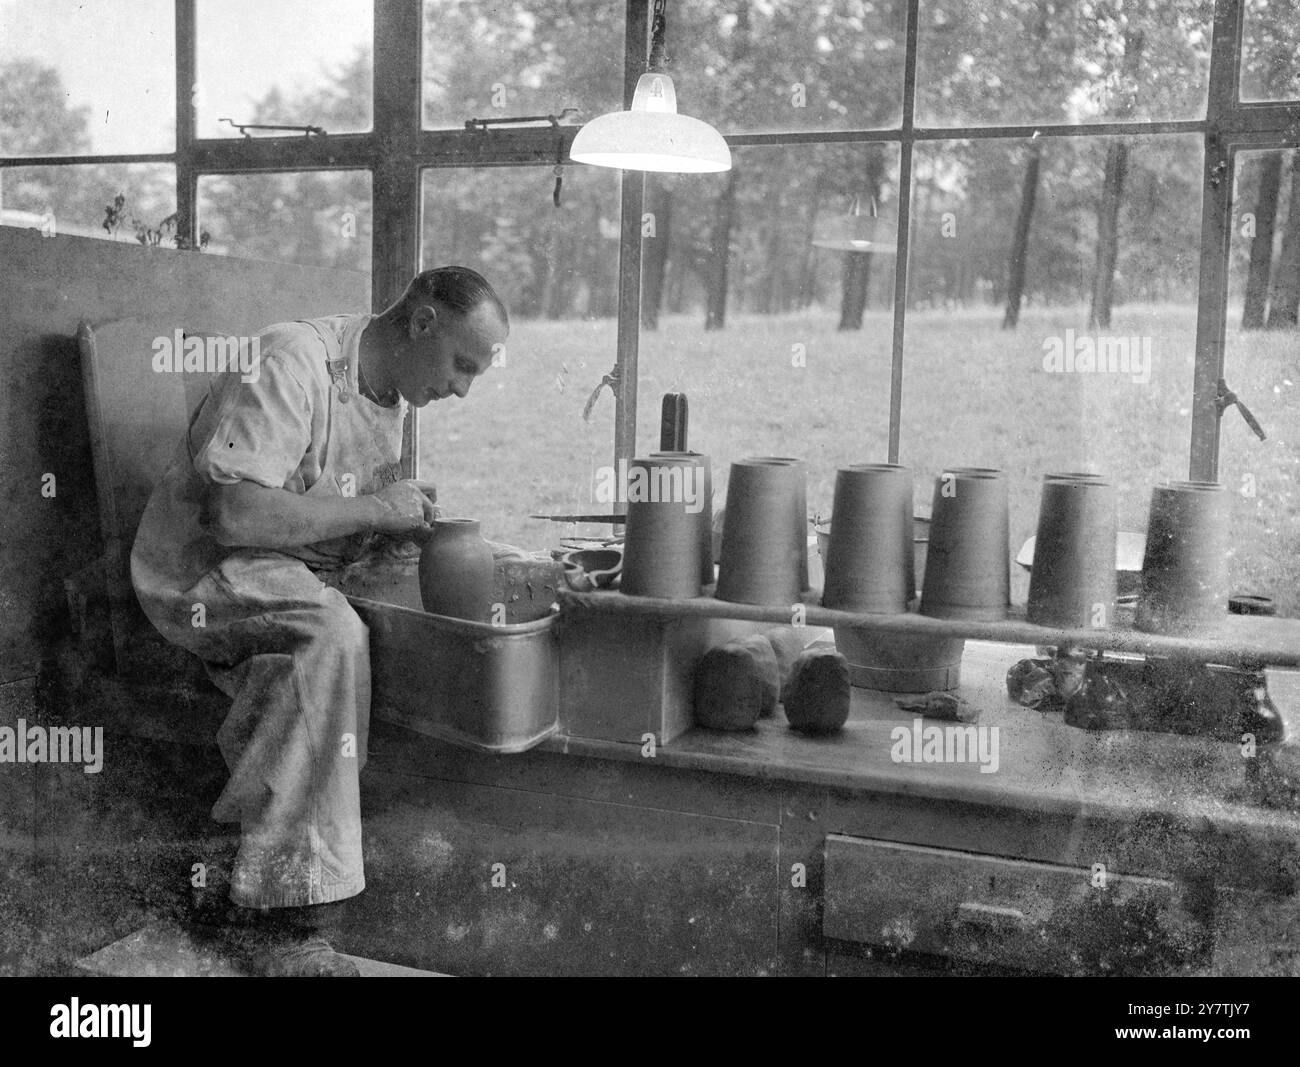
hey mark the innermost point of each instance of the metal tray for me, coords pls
(492, 688)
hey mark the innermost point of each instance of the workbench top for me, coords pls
(1043, 765)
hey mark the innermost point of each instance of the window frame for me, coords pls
(397, 149)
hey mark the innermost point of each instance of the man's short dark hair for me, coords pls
(459, 288)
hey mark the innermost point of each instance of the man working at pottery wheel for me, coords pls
(280, 477)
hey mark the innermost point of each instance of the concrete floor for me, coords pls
(96, 869)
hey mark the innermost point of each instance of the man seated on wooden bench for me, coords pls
(278, 477)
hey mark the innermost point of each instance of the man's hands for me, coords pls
(247, 515)
(407, 507)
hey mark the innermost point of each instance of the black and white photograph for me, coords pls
(650, 488)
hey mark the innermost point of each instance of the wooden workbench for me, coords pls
(588, 856)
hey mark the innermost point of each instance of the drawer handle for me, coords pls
(992, 917)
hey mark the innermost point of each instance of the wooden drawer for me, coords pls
(1005, 912)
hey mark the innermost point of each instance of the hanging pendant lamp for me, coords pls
(652, 135)
(856, 232)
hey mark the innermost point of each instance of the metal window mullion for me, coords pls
(631, 205)
(187, 178)
(904, 233)
(1216, 236)
(395, 172)
(345, 151)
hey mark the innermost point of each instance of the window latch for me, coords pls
(1226, 398)
(244, 127)
(611, 379)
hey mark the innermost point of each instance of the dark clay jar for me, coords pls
(456, 571)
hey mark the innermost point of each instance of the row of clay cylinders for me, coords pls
(764, 554)
(668, 544)
(870, 563)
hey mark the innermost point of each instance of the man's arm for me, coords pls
(248, 515)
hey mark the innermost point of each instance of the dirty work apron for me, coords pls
(295, 658)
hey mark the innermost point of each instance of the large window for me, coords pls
(290, 62)
(1060, 174)
(79, 79)
(520, 443)
(1262, 366)
(1052, 313)
(316, 218)
(489, 59)
(780, 346)
(1002, 62)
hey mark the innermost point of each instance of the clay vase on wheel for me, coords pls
(456, 571)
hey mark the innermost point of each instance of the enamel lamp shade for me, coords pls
(652, 136)
(856, 232)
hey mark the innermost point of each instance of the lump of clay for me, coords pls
(735, 683)
(817, 699)
(787, 643)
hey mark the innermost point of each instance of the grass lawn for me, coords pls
(973, 395)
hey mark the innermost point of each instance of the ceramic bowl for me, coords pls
(592, 568)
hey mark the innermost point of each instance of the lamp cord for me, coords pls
(658, 30)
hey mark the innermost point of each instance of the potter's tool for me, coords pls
(618, 519)
(591, 568)
(673, 423)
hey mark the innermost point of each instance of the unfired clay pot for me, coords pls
(869, 558)
(1073, 580)
(1185, 570)
(456, 571)
(968, 566)
(705, 515)
(761, 553)
(663, 542)
(801, 516)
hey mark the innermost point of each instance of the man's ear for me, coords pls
(423, 319)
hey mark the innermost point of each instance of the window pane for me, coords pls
(293, 62)
(75, 200)
(782, 348)
(317, 218)
(787, 64)
(994, 62)
(76, 79)
(518, 444)
(493, 60)
(1083, 380)
(1270, 51)
(1260, 367)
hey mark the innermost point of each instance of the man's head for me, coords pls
(446, 329)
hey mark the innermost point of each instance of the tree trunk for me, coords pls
(715, 282)
(1284, 300)
(1112, 194)
(654, 263)
(772, 289)
(1261, 245)
(807, 269)
(857, 265)
(554, 296)
(853, 293)
(1020, 239)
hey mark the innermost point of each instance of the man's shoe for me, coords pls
(309, 957)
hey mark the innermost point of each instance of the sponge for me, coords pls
(817, 699)
(735, 683)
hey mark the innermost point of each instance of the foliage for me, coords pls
(115, 216)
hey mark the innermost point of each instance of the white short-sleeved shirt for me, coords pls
(301, 426)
